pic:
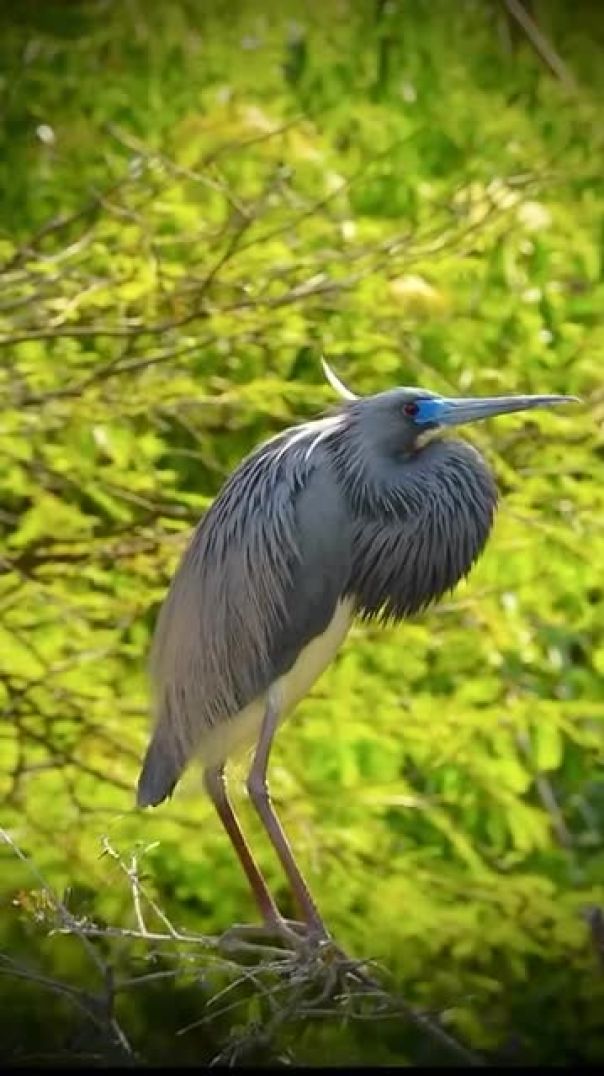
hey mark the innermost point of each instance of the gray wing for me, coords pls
(261, 578)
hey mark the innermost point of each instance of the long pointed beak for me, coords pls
(471, 409)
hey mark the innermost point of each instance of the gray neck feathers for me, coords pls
(420, 520)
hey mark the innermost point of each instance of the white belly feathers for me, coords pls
(241, 731)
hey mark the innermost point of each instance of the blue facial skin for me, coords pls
(429, 411)
(438, 410)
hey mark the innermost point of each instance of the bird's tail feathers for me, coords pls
(162, 768)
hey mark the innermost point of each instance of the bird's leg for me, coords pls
(216, 788)
(259, 795)
(274, 923)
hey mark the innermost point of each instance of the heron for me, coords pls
(371, 511)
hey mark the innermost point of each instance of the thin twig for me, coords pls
(540, 43)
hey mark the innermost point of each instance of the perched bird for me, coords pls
(368, 512)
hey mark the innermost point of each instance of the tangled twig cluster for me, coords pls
(259, 990)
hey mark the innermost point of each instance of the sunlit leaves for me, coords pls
(239, 208)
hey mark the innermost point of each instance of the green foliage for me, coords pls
(196, 201)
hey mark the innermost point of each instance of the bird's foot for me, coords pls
(277, 936)
(309, 946)
(288, 935)
(311, 938)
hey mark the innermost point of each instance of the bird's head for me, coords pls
(400, 420)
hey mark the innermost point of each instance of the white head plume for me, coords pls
(337, 385)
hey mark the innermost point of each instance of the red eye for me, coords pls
(410, 409)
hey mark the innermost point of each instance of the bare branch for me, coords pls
(540, 43)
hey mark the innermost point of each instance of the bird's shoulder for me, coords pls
(273, 489)
(262, 575)
(280, 532)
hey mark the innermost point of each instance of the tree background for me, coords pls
(196, 201)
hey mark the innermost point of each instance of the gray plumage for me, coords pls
(225, 631)
(368, 513)
(357, 506)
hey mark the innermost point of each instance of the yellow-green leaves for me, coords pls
(230, 193)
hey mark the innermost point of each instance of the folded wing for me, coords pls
(261, 578)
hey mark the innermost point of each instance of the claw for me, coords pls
(285, 934)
